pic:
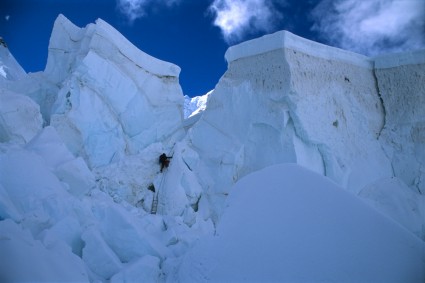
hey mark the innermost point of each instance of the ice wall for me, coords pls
(20, 118)
(113, 99)
(288, 99)
(401, 79)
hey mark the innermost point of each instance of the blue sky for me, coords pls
(194, 34)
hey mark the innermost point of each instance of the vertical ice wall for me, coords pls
(20, 118)
(287, 99)
(401, 79)
(114, 99)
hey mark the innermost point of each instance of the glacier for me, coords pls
(305, 162)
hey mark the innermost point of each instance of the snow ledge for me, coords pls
(285, 39)
(395, 60)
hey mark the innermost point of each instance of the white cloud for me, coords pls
(372, 27)
(7, 17)
(135, 9)
(236, 18)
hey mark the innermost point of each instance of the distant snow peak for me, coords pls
(195, 105)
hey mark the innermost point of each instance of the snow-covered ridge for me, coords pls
(400, 59)
(102, 33)
(195, 105)
(9, 67)
(285, 39)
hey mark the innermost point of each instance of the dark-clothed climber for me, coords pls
(164, 160)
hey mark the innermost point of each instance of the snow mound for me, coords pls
(288, 224)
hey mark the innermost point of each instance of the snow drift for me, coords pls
(79, 172)
(286, 224)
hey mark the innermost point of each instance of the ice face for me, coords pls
(114, 99)
(400, 80)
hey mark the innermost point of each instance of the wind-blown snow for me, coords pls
(82, 197)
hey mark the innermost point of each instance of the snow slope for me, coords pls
(287, 224)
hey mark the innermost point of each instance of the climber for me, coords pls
(164, 160)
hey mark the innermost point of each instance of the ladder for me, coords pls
(154, 207)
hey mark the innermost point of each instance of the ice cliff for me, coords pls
(113, 99)
(79, 147)
(321, 107)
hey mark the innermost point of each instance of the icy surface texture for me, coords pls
(403, 92)
(20, 118)
(287, 101)
(114, 100)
